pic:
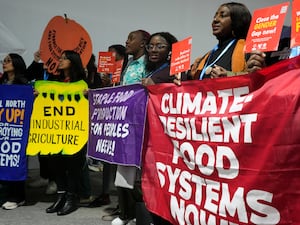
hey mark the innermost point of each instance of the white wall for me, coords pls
(109, 21)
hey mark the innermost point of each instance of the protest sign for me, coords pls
(265, 28)
(117, 119)
(15, 110)
(106, 62)
(181, 56)
(59, 121)
(64, 34)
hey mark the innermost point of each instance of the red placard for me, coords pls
(181, 56)
(117, 74)
(295, 31)
(265, 28)
(106, 62)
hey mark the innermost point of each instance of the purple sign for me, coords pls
(117, 120)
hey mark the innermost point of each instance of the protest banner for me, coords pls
(15, 110)
(225, 151)
(59, 121)
(117, 118)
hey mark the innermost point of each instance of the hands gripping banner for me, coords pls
(226, 151)
(59, 121)
(15, 110)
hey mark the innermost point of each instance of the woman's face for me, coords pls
(7, 64)
(158, 49)
(64, 62)
(221, 24)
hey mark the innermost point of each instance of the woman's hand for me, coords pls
(256, 61)
(147, 81)
(217, 71)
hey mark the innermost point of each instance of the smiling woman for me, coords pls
(159, 50)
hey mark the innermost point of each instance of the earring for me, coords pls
(169, 55)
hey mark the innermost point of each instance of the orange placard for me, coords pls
(117, 74)
(106, 62)
(181, 56)
(295, 31)
(265, 28)
(64, 34)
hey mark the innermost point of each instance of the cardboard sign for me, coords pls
(59, 121)
(106, 62)
(64, 34)
(265, 28)
(181, 56)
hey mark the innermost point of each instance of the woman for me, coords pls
(159, 55)
(68, 168)
(158, 71)
(109, 170)
(14, 69)
(230, 26)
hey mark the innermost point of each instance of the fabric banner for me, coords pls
(117, 118)
(59, 121)
(226, 151)
(15, 110)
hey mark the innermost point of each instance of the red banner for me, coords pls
(226, 151)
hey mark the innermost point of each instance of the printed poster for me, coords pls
(295, 31)
(181, 56)
(106, 62)
(265, 28)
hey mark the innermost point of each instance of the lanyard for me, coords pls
(46, 75)
(222, 53)
(157, 70)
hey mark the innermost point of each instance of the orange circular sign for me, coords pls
(64, 34)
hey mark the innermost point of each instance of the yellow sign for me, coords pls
(59, 121)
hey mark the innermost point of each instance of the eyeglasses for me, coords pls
(151, 47)
(6, 61)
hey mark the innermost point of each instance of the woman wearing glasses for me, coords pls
(159, 55)
(14, 69)
(159, 50)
